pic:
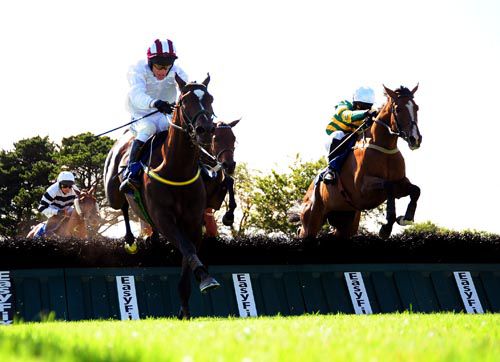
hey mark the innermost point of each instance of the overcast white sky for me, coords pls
(282, 66)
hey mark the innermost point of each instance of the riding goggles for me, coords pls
(162, 67)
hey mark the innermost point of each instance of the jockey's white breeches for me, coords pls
(148, 126)
(328, 140)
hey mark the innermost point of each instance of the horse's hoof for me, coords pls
(228, 219)
(208, 284)
(385, 231)
(130, 248)
(183, 315)
(403, 222)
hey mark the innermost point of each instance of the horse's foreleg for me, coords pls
(129, 236)
(386, 229)
(184, 289)
(228, 217)
(407, 188)
(312, 216)
(188, 251)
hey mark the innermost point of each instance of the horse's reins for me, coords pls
(398, 133)
(189, 130)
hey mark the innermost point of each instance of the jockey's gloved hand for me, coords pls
(163, 107)
(371, 113)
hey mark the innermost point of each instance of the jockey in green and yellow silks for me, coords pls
(346, 119)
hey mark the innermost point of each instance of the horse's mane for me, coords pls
(402, 92)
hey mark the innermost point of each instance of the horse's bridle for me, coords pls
(224, 150)
(398, 131)
(189, 121)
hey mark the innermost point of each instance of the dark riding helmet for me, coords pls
(161, 52)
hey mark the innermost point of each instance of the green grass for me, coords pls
(388, 337)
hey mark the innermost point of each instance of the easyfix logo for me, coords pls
(6, 298)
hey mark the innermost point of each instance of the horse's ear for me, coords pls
(390, 93)
(206, 81)
(234, 123)
(92, 190)
(414, 89)
(180, 82)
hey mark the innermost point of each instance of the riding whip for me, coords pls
(345, 139)
(126, 124)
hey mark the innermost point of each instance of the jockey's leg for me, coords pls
(133, 181)
(336, 159)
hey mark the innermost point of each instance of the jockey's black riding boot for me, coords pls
(330, 174)
(133, 181)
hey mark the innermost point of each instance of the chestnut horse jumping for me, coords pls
(173, 193)
(82, 223)
(372, 173)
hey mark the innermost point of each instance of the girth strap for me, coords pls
(158, 178)
(375, 147)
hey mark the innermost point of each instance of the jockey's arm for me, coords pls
(48, 211)
(345, 118)
(349, 116)
(137, 93)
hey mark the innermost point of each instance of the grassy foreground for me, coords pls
(389, 337)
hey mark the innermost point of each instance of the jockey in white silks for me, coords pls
(152, 85)
(57, 201)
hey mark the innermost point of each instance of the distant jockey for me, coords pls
(57, 201)
(347, 118)
(152, 85)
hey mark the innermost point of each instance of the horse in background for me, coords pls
(222, 166)
(372, 173)
(82, 223)
(172, 196)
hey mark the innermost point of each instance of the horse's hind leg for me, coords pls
(184, 289)
(386, 229)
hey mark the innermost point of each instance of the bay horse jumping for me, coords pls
(172, 194)
(220, 165)
(221, 161)
(372, 173)
(82, 223)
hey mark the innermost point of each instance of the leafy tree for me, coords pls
(24, 176)
(427, 227)
(244, 193)
(84, 155)
(278, 195)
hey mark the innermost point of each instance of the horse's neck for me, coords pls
(180, 156)
(381, 135)
(74, 226)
